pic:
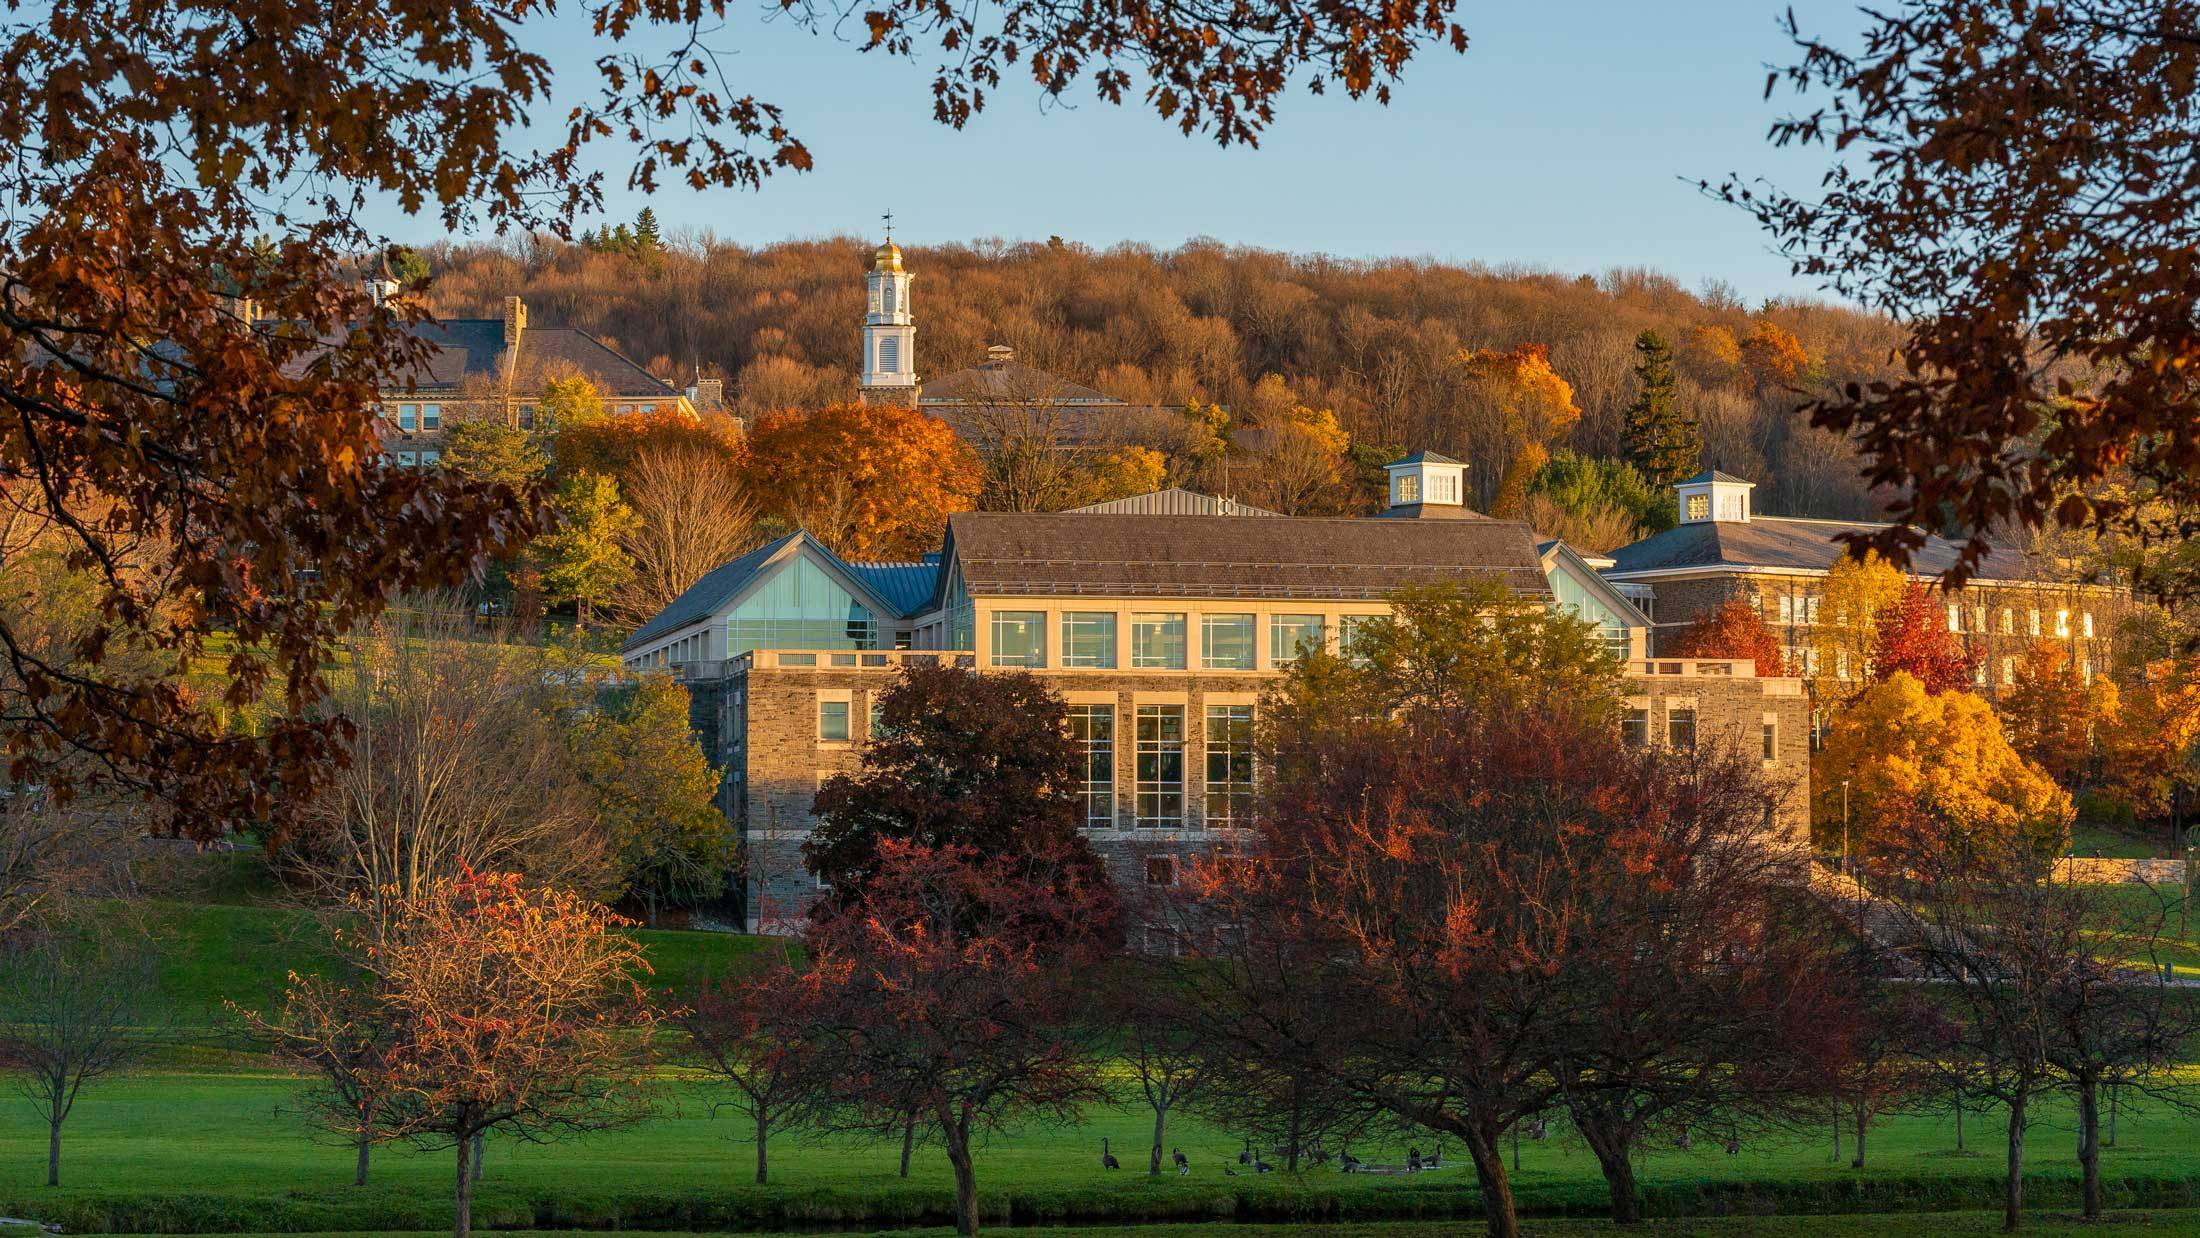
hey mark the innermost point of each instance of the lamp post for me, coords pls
(1845, 828)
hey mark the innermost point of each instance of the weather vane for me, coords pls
(889, 218)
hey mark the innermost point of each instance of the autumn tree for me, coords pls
(1998, 240)
(77, 997)
(1845, 639)
(1299, 466)
(522, 1012)
(871, 481)
(1772, 356)
(584, 558)
(754, 1035)
(949, 993)
(496, 454)
(615, 445)
(1662, 440)
(2148, 744)
(1531, 407)
(692, 513)
(1898, 746)
(1913, 639)
(1143, 998)
(2053, 718)
(568, 405)
(1736, 630)
(653, 793)
(959, 759)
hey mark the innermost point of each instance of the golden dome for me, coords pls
(888, 258)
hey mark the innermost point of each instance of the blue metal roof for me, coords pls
(706, 595)
(907, 587)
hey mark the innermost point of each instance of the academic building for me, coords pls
(1158, 621)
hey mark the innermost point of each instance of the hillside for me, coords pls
(1377, 341)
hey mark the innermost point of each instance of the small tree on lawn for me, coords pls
(753, 1033)
(337, 1030)
(1163, 1048)
(948, 993)
(1893, 1059)
(76, 1001)
(522, 1012)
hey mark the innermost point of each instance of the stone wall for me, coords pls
(2085, 870)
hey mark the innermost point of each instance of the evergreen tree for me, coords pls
(647, 240)
(584, 560)
(1662, 442)
(489, 452)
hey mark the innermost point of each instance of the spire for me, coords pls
(889, 329)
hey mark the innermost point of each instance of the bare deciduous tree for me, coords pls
(695, 513)
(76, 998)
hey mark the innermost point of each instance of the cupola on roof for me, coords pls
(888, 258)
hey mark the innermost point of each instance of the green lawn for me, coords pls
(2052, 1225)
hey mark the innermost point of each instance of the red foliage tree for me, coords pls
(1914, 637)
(1735, 630)
(949, 993)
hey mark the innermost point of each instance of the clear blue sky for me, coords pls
(1568, 138)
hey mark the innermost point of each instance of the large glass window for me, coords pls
(1349, 630)
(1161, 766)
(1291, 635)
(1088, 638)
(1019, 638)
(1093, 727)
(802, 607)
(1157, 642)
(1226, 642)
(1229, 766)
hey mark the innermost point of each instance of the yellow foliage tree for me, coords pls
(2147, 746)
(1533, 406)
(2052, 717)
(1124, 472)
(1899, 745)
(1773, 356)
(1846, 637)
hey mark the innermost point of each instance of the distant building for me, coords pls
(493, 369)
(1723, 548)
(1158, 620)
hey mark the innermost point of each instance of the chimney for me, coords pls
(710, 394)
(515, 320)
(999, 355)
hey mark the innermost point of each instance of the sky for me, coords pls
(1569, 137)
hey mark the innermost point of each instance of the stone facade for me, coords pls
(766, 714)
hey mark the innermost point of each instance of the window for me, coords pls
(1813, 609)
(431, 416)
(1787, 608)
(2035, 623)
(1019, 638)
(1840, 664)
(889, 355)
(1349, 630)
(1409, 488)
(1161, 870)
(2008, 622)
(1699, 506)
(1229, 766)
(1226, 642)
(1157, 642)
(2008, 671)
(526, 416)
(877, 720)
(408, 416)
(1734, 507)
(802, 607)
(1634, 728)
(1772, 741)
(1680, 728)
(1088, 638)
(2085, 625)
(408, 459)
(1291, 635)
(832, 722)
(430, 458)
(1093, 728)
(2062, 623)
(888, 290)
(1978, 620)
(1160, 767)
(1978, 673)
(1955, 617)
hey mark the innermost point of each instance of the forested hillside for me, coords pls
(1380, 342)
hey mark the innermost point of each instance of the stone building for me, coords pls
(1158, 626)
(1723, 549)
(493, 369)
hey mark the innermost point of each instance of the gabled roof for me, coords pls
(1558, 556)
(1714, 475)
(474, 348)
(1009, 382)
(1779, 542)
(1174, 501)
(1423, 457)
(1005, 553)
(896, 589)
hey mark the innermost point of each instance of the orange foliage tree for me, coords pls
(2052, 717)
(1913, 637)
(2147, 747)
(1532, 405)
(520, 1012)
(1735, 630)
(614, 444)
(871, 481)
(1773, 356)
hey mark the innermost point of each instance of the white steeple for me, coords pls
(889, 329)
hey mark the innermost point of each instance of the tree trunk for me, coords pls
(462, 1220)
(1959, 1119)
(763, 1141)
(1613, 1157)
(957, 1139)
(1863, 1117)
(1160, 1124)
(366, 1145)
(2114, 1091)
(1489, 1167)
(53, 1153)
(908, 1141)
(2012, 1198)
(2089, 1143)
(481, 1152)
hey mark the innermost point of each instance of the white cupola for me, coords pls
(889, 329)
(1714, 496)
(1426, 479)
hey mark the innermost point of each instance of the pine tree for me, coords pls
(1662, 441)
(647, 240)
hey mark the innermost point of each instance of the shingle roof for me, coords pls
(1174, 501)
(1285, 556)
(706, 595)
(1781, 542)
(907, 586)
(1007, 382)
(474, 348)
(1423, 457)
(1709, 475)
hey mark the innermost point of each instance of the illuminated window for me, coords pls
(1699, 506)
(1093, 729)
(832, 721)
(1160, 767)
(1226, 642)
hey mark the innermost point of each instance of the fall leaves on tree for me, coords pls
(1736, 630)
(1912, 637)
(871, 481)
(1845, 639)
(2053, 718)
(1533, 404)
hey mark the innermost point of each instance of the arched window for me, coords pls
(889, 296)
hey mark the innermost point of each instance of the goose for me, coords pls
(1228, 1172)
(1262, 1167)
(1349, 1161)
(1183, 1166)
(1246, 1157)
(1107, 1158)
(1413, 1160)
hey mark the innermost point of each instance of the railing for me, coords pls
(822, 660)
(1698, 668)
